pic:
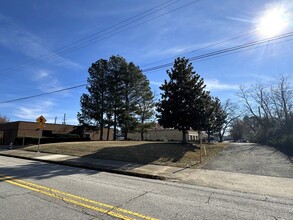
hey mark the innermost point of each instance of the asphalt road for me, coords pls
(35, 190)
(254, 159)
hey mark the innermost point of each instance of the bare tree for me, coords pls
(282, 101)
(271, 107)
(237, 129)
(3, 119)
(232, 114)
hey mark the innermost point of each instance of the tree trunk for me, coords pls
(184, 136)
(220, 136)
(108, 131)
(101, 131)
(102, 119)
(115, 124)
(125, 134)
(209, 136)
(142, 128)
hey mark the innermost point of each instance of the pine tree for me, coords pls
(93, 105)
(115, 91)
(215, 117)
(117, 67)
(145, 108)
(182, 99)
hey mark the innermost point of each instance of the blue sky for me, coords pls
(33, 31)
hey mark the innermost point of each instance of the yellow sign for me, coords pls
(41, 121)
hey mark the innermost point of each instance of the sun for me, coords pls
(273, 22)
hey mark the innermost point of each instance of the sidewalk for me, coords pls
(265, 185)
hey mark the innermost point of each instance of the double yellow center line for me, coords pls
(76, 200)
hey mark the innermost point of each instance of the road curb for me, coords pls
(91, 167)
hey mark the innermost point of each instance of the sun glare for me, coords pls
(273, 22)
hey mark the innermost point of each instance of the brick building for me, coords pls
(21, 132)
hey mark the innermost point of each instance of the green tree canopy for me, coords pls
(182, 103)
(215, 117)
(116, 89)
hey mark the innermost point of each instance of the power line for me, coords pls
(42, 94)
(230, 49)
(91, 36)
(200, 57)
(238, 51)
(202, 48)
(66, 49)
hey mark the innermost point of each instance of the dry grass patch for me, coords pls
(160, 153)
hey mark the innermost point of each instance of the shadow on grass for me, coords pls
(125, 158)
(144, 153)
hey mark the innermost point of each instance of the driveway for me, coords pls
(252, 158)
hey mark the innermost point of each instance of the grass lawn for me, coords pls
(160, 153)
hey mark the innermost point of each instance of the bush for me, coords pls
(284, 143)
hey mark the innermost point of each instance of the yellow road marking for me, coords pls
(30, 186)
(72, 201)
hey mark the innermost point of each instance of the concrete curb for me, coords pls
(91, 167)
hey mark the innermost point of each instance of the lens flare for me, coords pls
(273, 22)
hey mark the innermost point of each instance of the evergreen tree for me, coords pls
(116, 89)
(117, 67)
(131, 79)
(182, 101)
(145, 108)
(216, 117)
(93, 105)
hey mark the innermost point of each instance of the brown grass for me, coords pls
(160, 153)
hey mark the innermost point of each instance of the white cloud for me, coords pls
(41, 74)
(212, 84)
(72, 121)
(155, 83)
(31, 113)
(19, 39)
(188, 50)
(46, 82)
(215, 84)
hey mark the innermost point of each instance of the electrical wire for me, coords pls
(89, 42)
(239, 47)
(203, 48)
(214, 54)
(91, 36)
(42, 94)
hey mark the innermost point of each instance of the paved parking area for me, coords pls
(252, 159)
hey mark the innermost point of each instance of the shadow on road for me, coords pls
(286, 151)
(39, 170)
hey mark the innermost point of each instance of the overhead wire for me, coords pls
(200, 57)
(289, 34)
(95, 34)
(203, 48)
(42, 94)
(238, 51)
(54, 54)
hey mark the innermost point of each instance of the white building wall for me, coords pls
(164, 135)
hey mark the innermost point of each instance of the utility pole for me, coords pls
(64, 119)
